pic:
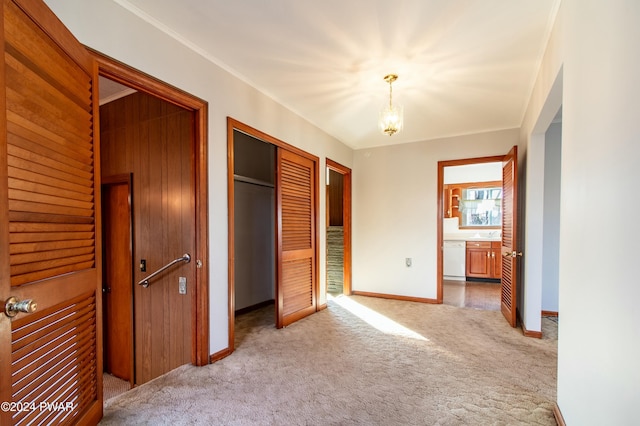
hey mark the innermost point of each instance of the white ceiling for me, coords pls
(464, 66)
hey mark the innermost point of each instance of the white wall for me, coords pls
(593, 57)
(482, 172)
(551, 218)
(546, 99)
(395, 210)
(112, 30)
(599, 346)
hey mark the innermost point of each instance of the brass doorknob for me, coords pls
(13, 306)
(512, 253)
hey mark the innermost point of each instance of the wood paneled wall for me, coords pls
(334, 191)
(152, 139)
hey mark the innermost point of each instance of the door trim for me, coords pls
(232, 125)
(346, 224)
(440, 204)
(124, 74)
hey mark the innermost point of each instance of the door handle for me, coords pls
(512, 253)
(13, 306)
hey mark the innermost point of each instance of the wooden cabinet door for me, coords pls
(50, 247)
(479, 262)
(496, 258)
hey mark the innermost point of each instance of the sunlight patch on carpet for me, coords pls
(375, 319)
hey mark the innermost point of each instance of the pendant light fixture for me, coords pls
(391, 120)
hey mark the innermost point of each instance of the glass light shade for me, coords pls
(391, 120)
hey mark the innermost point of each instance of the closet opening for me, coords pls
(254, 219)
(273, 229)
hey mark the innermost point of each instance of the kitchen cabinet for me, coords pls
(452, 201)
(483, 259)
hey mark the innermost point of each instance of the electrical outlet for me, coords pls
(407, 262)
(182, 285)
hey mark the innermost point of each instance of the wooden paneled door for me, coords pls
(50, 250)
(509, 236)
(295, 238)
(117, 282)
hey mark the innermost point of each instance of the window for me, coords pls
(481, 206)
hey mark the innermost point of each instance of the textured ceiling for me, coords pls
(464, 66)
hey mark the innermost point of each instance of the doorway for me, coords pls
(254, 219)
(169, 214)
(504, 256)
(338, 226)
(472, 220)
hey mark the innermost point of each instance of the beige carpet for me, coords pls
(363, 361)
(113, 386)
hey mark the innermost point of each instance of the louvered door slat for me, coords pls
(54, 371)
(30, 103)
(59, 184)
(25, 152)
(48, 190)
(16, 69)
(38, 247)
(50, 264)
(39, 53)
(28, 237)
(45, 170)
(32, 143)
(61, 329)
(44, 133)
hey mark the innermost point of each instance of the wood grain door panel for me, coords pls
(50, 221)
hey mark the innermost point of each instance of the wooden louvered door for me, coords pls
(50, 367)
(509, 236)
(296, 238)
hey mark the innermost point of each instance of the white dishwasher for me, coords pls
(454, 254)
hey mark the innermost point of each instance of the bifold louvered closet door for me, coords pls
(296, 237)
(49, 223)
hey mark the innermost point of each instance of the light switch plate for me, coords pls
(182, 285)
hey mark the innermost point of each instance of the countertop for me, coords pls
(469, 237)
